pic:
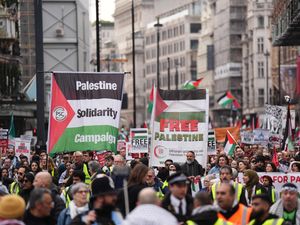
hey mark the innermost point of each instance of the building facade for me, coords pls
(257, 74)
(143, 14)
(179, 41)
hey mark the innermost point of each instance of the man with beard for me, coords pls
(289, 205)
(102, 204)
(11, 155)
(260, 212)
(226, 175)
(16, 186)
(191, 168)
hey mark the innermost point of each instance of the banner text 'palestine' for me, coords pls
(85, 111)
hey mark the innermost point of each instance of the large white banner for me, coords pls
(179, 124)
(278, 178)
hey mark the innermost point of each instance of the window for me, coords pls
(260, 21)
(164, 35)
(170, 33)
(175, 31)
(182, 46)
(147, 40)
(170, 49)
(152, 38)
(261, 97)
(194, 44)
(260, 45)
(260, 70)
(195, 27)
(181, 29)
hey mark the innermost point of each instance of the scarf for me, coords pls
(254, 180)
(74, 210)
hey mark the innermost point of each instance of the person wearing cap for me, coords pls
(149, 211)
(260, 215)
(229, 209)
(178, 202)
(78, 205)
(226, 176)
(288, 207)
(267, 182)
(27, 186)
(102, 204)
(12, 207)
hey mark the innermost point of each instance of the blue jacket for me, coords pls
(64, 217)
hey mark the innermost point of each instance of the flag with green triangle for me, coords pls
(230, 144)
(191, 85)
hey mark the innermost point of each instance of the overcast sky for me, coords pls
(107, 8)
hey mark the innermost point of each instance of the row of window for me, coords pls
(166, 49)
(164, 80)
(163, 65)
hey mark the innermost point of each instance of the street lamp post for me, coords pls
(97, 36)
(267, 54)
(157, 25)
(133, 63)
(176, 74)
(169, 74)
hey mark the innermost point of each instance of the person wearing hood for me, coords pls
(205, 213)
(229, 209)
(252, 185)
(78, 205)
(102, 204)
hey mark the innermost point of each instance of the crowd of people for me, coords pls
(74, 188)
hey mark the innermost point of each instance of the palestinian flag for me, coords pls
(151, 99)
(230, 144)
(191, 85)
(85, 111)
(228, 98)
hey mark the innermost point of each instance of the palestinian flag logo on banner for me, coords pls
(179, 124)
(85, 111)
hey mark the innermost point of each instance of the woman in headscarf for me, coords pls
(252, 185)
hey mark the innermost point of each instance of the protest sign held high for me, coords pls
(85, 111)
(139, 140)
(179, 124)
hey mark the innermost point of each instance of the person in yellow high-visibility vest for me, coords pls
(15, 187)
(204, 212)
(261, 204)
(226, 177)
(80, 165)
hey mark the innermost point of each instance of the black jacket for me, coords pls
(25, 194)
(59, 204)
(133, 192)
(166, 204)
(193, 169)
(30, 219)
